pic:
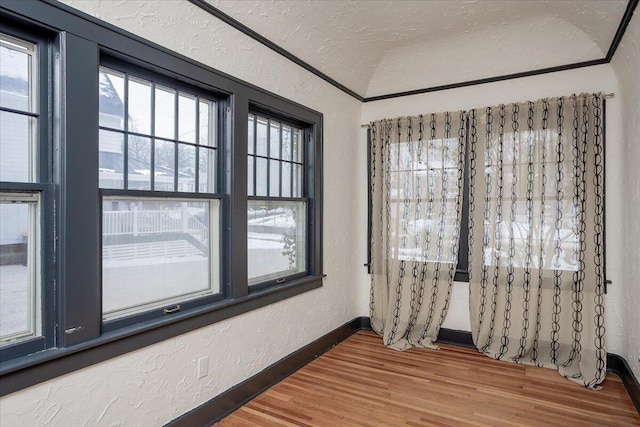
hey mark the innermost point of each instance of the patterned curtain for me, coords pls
(416, 180)
(536, 234)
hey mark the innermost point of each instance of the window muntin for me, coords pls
(18, 110)
(166, 143)
(20, 299)
(275, 163)
(277, 208)
(156, 252)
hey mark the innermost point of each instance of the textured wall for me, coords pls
(591, 79)
(152, 386)
(626, 64)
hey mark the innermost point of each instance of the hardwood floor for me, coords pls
(361, 383)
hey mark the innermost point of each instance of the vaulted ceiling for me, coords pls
(377, 47)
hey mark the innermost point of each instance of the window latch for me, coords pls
(171, 310)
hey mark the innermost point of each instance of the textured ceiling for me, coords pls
(375, 47)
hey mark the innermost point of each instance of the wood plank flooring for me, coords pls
(361, 383)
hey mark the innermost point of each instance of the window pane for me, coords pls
(164, 165)
(250, 141)
(19, 269)
(17, 88)
(207, 168)
(139, 163)
(286, 179)
(157, 252)
(286, 143)
(297, 145)
(187, 118)
(274, 140)
(276, 239)
(261, 177)
(111, 99)
(186, 168)
(250, 190)
(139, 100)
(111, 162)
(165, 108)
(274, 178)
(261, 141)
(297, 181)
(17, 151)
(207, 123)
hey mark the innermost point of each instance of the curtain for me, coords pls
(417, 166)
(536, 234)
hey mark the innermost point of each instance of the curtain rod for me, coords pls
(605, 96)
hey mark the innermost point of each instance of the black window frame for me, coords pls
(307, 148)
(77, 42)
(183, 85)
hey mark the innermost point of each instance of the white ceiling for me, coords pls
(377, 47)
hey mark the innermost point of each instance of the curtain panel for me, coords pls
(536, 254)
(417, 166)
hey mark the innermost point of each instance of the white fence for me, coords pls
(139, 222)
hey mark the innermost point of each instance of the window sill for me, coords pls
(35, 368)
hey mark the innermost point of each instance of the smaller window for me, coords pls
(275, 158)
(20, 312)
(277, 207)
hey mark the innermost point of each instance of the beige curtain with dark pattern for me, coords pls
(536, 234)
(416, 193)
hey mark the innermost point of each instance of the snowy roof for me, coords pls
(110, 102)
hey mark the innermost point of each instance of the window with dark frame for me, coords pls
(277, 206)
(25, 194)
(151, 230)
(161, 216)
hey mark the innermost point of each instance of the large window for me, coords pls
(277, 208)
(24, 185)
(160, 219)
(136, 204)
